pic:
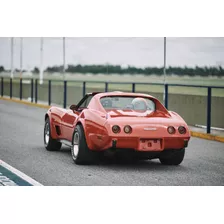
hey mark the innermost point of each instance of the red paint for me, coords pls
(149, 133)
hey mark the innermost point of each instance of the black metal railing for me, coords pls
(34, 89)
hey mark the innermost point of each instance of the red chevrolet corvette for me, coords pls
(137, 124)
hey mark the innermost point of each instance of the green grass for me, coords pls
(209, 81)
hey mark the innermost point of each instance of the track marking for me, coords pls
(19, 174)
(5, 181)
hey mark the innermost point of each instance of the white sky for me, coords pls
(139, 52)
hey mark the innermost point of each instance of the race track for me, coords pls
(21, 146)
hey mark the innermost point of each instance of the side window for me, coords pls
(86, 102)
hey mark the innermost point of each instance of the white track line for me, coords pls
(20, 174)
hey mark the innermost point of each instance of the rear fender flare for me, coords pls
(182, 120)
(81, 122)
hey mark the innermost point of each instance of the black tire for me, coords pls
(50, 144)
(81, 155)
(172, 157)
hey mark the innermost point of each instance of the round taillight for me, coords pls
(116, 129)
(171, 130)
(127, 129)
(182, 130)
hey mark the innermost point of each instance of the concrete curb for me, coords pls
(193, 133)
(207, 136)
(26, 102)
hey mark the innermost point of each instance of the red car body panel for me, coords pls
(149, 132)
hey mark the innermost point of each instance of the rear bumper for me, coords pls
(104, 142)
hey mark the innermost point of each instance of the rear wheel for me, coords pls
(81, 154)
(172, 157)
(50, 143)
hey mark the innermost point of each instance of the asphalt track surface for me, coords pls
(21, 146)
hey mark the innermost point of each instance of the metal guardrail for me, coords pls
(166, 91)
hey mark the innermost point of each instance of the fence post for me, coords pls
(10, 88)
(65, 93)
(49, 92)
(133, 87)
(31, 90)
(209, 102)
(36, 91)
(21, 89)
(84, 89)
(2, 86)
(166, 96)
(106, 86)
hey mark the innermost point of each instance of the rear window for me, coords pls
(127, 103)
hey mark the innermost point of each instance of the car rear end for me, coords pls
(149, 134)
(139, 122)
(142, 134)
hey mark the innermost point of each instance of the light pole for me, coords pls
(164, 72)
(63, 58)
(21, 57)
(12, 57)
(41, 60)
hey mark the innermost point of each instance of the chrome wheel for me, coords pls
(46, 133)
(75, 146)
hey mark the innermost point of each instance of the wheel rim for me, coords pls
(75, 147)
(46, 133)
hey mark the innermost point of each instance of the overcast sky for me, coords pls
(139, 52)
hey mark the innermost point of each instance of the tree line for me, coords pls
(117, 69)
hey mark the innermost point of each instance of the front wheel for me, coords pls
(172, 157)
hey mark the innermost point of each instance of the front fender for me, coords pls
(49, 114)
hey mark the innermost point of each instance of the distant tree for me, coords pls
(54, 69)
(117, 69)
(36, 70)
(2, 69)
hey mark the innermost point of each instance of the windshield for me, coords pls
(139, 104)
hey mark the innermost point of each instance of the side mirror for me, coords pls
(73, 107)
